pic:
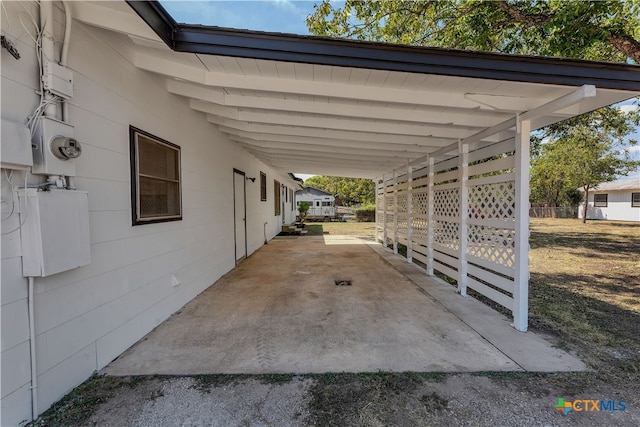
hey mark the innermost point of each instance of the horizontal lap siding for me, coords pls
(86, 317)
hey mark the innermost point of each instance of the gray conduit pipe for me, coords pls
(32, 350)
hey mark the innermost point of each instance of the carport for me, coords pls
(444, 133)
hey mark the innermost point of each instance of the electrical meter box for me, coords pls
(55, 234)
(44, 160)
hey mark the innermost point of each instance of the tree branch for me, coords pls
(518, 16)
(627, 45)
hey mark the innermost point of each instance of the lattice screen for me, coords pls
(488, 218)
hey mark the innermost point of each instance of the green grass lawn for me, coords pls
(349, 228)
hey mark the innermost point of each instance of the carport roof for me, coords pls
(341, 107)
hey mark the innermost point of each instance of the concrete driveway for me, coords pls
(280, 311)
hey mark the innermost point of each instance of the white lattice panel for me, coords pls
(402, 212)
(492, 201)
(446, 203)
(495, 245)
(420, 202)
(389, 202)
(446, 234)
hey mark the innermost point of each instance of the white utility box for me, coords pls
(16, 146)
(58, 79)
(55, 234)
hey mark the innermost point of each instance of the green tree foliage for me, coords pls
(606, 30)
(582, 153)
(351, 191)
(303, 209)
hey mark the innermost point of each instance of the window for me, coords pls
(263, 187)
(276, 198)
(635, 200)
(286, 194)
(155, 179)
(326, 203)
(600, 200)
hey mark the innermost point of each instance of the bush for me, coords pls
(366, 213)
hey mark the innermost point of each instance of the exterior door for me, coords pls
(283, 197)
(240, 214)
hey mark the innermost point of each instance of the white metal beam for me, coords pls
(246, 120)
(586, 91)
(388, 111)
(377, 141)
(338, 149)
(225, 125)
(173, 68)
(311, 154)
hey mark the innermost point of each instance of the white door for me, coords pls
(283, 197)
(240, 214)
(317, 207)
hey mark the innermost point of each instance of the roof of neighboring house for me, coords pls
(313, 190)
(621, 184)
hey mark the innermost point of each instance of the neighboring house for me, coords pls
(617, 200)
(186, 135)
(321, 203)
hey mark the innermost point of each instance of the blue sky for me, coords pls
(283, 16)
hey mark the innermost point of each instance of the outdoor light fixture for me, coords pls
(251, 179)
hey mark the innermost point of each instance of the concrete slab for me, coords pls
(281, 312)
(528, 350)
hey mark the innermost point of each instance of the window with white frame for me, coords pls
(155, 179)
(600, 200)
(635, 200)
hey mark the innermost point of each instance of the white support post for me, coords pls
(521, 289)
(463, 178)
(384, 211)
(430, 164)
(376, 219)
(395, 212)
(409, 213)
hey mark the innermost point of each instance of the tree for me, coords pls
(351, 191)
(606, 30)
(582, 153)
(602, 30)
(303, 210)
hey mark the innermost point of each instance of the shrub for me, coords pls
(366, 213)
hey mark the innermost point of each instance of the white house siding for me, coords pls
(88, 316)
(618, 206)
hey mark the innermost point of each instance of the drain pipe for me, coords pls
(32, 349)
